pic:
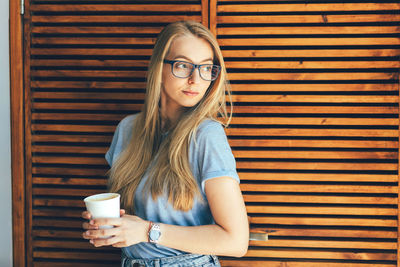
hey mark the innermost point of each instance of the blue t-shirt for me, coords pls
(210, 156)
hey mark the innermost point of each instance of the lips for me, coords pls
(190, 93)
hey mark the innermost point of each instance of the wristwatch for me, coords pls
(154, 232)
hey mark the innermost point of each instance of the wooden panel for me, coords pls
(84, 76)
(315, 132)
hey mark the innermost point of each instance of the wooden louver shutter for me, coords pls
(315, 131)
(85, 71)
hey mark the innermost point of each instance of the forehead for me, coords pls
(192, 47)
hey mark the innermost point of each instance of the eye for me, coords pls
(207, 68)
(182, 65)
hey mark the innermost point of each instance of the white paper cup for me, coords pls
(105, 205)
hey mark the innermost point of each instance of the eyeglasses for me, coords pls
(183, 69)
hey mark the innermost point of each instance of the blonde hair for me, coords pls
(171, 171)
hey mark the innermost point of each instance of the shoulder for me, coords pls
(127, 122)
(210, 127)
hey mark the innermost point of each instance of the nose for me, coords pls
(195, 77)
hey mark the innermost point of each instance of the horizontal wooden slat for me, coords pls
(326, 244)
(88, 73)
(82, 255)
(224, 42)
(91, 52)
(114, 19)
(231, 64)
(271, 176)
(306, 108)
(308, 41)
(93, 40)
(311, 231)
(285, 53)
(307, 7)
(131, 108)
(379, 211)
(317, 199)
(234, 87)
(314, 121)
(66, 191)
(116, 8)
(58, 203)
(357, 18)
(313, 254)
(72, 138)
(311, 132)
(88, 106)
(273, 53)
(241, 165)
(93, 95)
(69, 181)
(290, 154)
(117, 29)
(97, 84)
(324, 221)
(294, 76)
(271, 30)
(244, 262)
(63, 171)
(313, 64)
(73, 128)
(335, 144)
(77, 116)
(317, 188)
(69, 160)
(89, 62)
(232, 76)
(51, 263)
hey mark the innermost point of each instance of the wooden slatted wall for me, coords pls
(86, 63)
(315, 132)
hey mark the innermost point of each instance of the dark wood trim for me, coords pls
(28, 135)
(17, 134)
(204, 13)
(213, 17)
(398, 177)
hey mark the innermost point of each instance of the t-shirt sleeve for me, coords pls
(120, 139)
(215, 156)
(111, 150)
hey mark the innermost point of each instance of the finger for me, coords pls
(101, 233)
(105, 241)
(106, 221)
(88, 226)
(86, 215)
(120, 245)
(121, 212)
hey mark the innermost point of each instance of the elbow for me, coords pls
(241, 252)
(241, 249)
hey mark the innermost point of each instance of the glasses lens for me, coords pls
(182, 69)
(209, 72)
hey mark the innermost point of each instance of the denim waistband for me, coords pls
(184, 260)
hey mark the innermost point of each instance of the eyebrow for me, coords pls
(181, 56)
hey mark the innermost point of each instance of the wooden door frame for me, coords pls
(17, 99)
(17, 132)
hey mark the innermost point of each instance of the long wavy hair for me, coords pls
(170, 172)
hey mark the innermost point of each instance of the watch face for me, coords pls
(154, 235)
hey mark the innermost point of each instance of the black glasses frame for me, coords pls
(195, 66)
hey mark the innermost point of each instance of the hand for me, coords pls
(128, 230)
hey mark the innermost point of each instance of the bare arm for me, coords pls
(228, 237)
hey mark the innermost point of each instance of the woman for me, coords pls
(172, 163)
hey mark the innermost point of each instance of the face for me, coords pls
(178, 93)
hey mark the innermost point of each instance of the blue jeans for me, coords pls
(184, 260)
